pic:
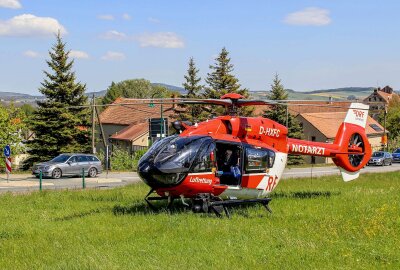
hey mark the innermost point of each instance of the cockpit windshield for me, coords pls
(179, 154)
(169, 160)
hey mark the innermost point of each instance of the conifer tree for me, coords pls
(58, 127)
(279, 114)
(221, 81)
(192, 86)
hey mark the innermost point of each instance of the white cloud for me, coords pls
(126, 16)
(113, 56)
(31, 54)
(113, 34)
(78, 54)
(153, 20)
(14, 4)
(309, 16)
(161, 40)
(30, 25)
(106, 17)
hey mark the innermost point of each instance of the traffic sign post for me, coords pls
(7, 154)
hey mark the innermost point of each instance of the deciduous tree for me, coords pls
(135, 88)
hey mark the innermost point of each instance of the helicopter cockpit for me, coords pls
(169, 160)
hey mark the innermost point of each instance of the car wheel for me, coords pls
(92, 172)
(56, 174)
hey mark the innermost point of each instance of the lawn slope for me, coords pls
(319, 224)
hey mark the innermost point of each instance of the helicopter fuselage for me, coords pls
(258, 149)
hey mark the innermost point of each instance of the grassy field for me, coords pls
(319, 224)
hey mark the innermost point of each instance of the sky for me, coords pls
(310, 44)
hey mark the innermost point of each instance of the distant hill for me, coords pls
(97, 94)
(10, 95)
(172, 87)
(324, 94)
(168, 86)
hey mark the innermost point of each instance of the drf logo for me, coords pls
(359, 114)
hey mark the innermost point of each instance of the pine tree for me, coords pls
(221, 81)
(58, 127)
(279, 114)
(192, 85)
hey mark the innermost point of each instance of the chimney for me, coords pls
(174, 96)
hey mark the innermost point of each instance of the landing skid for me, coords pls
(207, 203)
(170, 200)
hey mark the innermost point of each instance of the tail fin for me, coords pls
(351, 138)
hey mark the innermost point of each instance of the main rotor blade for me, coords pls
(222, 102)
(241, 103)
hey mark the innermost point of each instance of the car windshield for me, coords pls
(61, 158)
(397, 150)
(377, 154)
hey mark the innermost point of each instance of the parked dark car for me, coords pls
(381, 158)
(396, 155)
(69, 164)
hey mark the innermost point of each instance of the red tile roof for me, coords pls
(132, 132)
(384, 95)
(132, 112)
(328, 123)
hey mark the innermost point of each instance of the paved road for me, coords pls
(322, 171)
(26, 182)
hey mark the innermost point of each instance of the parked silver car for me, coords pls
(69, 164)
(380, 158)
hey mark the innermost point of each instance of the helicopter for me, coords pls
(233, 160)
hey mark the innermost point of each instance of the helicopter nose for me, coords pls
(154, 177)
(146, 172)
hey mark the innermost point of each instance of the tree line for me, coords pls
(61, 122)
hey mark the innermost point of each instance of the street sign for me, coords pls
(8, 166)
(155, 127)
(7, 151)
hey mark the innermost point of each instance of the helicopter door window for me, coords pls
(228, 163)
(203, 162)
(258, 160)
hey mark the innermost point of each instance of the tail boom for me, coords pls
(350, 150)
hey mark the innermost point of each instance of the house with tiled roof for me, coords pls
(126, 122)
(323, 126)
(379, 100)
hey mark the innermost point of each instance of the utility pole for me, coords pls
(386, 145)
(161, 121)
(287, 115)
(93, 124)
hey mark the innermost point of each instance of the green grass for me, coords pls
(319, 224)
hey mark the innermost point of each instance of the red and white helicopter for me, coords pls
(232, 160)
